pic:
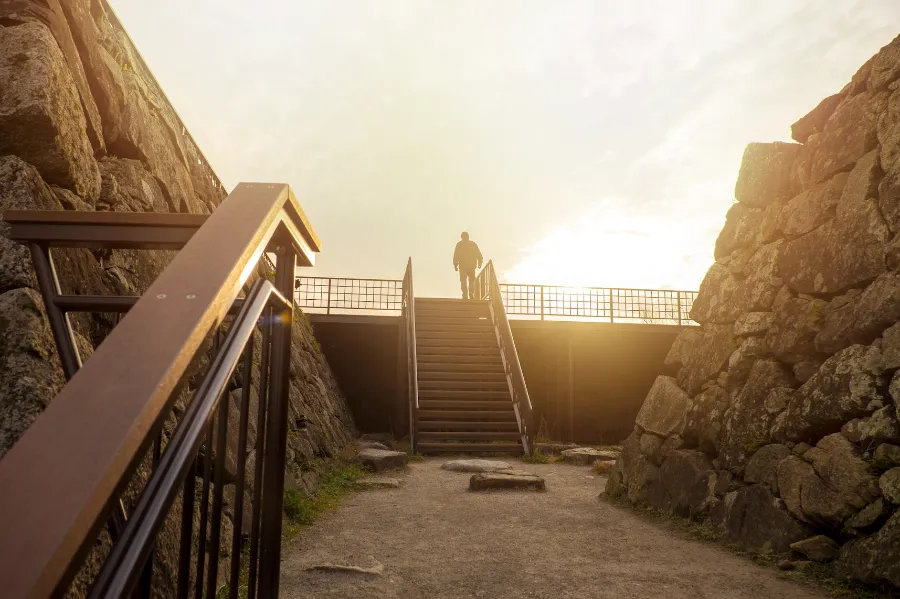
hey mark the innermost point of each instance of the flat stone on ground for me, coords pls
(374, 445)
(586, 456)
(370, 482)
(475, 466)
(498, 480)
(553, 448)
(378, 460)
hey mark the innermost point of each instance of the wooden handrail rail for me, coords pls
(59, 478)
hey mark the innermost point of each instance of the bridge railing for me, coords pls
(545, 302)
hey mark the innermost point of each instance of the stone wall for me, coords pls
(84, 126)
(783, 422)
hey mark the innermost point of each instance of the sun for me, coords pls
(610, 247)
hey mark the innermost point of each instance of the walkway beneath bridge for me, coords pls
(436, 539)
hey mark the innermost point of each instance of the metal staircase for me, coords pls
(464, 400)
(463, 379)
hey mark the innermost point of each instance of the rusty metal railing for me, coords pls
(489, 289)
(338, 294)
(544, 302)
(409, 369)
(134, 442)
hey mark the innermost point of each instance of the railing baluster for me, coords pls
(187, 532)
(261, 418)
(219, 479)
(239, 483)
(204, 512)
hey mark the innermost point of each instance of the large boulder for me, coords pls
(889, 483)
(379, 460)
(845, 387)
(862, 317)
(881, 427)
(818, 548)
(706, 358)
(886, 456)
(862, 184)
(824, 262)
(704, 421)
(763, 466)
(753, 323)
(754, 519)
(40, 110)
(812, 208)
(814, 121)
(829, 485)
(848, 135)
(873, 560)
(765, 174)
(885, 66)
(639, 479)
(791, 337)
(682, 346)
(30, 375)
(723, 297)
(128, 187)
(747, 421)
(489, 481)
(665, 408)
(685, 485)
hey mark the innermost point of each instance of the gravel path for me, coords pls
(436, 539)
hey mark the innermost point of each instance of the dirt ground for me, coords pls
(434, 538)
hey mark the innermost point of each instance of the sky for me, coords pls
(579, 142)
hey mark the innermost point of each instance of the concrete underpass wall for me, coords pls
(612, 369)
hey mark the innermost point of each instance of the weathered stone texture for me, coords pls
(706, 357)
(845, 387)
(665, 408)
(861, 317)
(754, 519)
(847, 136)
(815, 121)
(812, 208)
(765, 174)
(40, 114)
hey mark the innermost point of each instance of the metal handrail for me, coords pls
(558, 302)
(408, 316)
(90, 440)
(489, 289)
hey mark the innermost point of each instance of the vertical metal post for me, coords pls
(542, 302)
(328, 302)
(611, 318)
(571, 389)
(678, 296)
(48, 283)
(276, 433)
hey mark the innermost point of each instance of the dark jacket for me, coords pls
(467, 255)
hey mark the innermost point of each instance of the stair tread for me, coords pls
(452, 415)
(468, 435)
(464, 425)
(466, 404)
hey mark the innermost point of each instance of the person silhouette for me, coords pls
(466, 257)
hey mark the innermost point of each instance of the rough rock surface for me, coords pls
(475, 466)
(753, 519)
(379, 460)
(664, 409)
(793, 376)
(818, 548)
(586, 456)
(41, 119)
(498, 480)
(84, 126)
(372, 482)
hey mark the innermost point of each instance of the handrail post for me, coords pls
(678, 302)
(611, 316)
(276, 433)
(328, 301)
(542, 302)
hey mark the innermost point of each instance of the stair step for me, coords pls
(465, 404)
(483, 342)
(451, 334)
(467, 394)
(487, 416)
(432, 447)
(446, 325)
(473, 367)
(434, 425)
(468, 436)
(478, 350)
(461, 385)
(497, 376)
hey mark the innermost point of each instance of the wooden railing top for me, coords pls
(58, 478)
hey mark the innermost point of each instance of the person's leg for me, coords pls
(462, 282)
(472, 284)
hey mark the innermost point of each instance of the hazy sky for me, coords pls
(585, 142)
